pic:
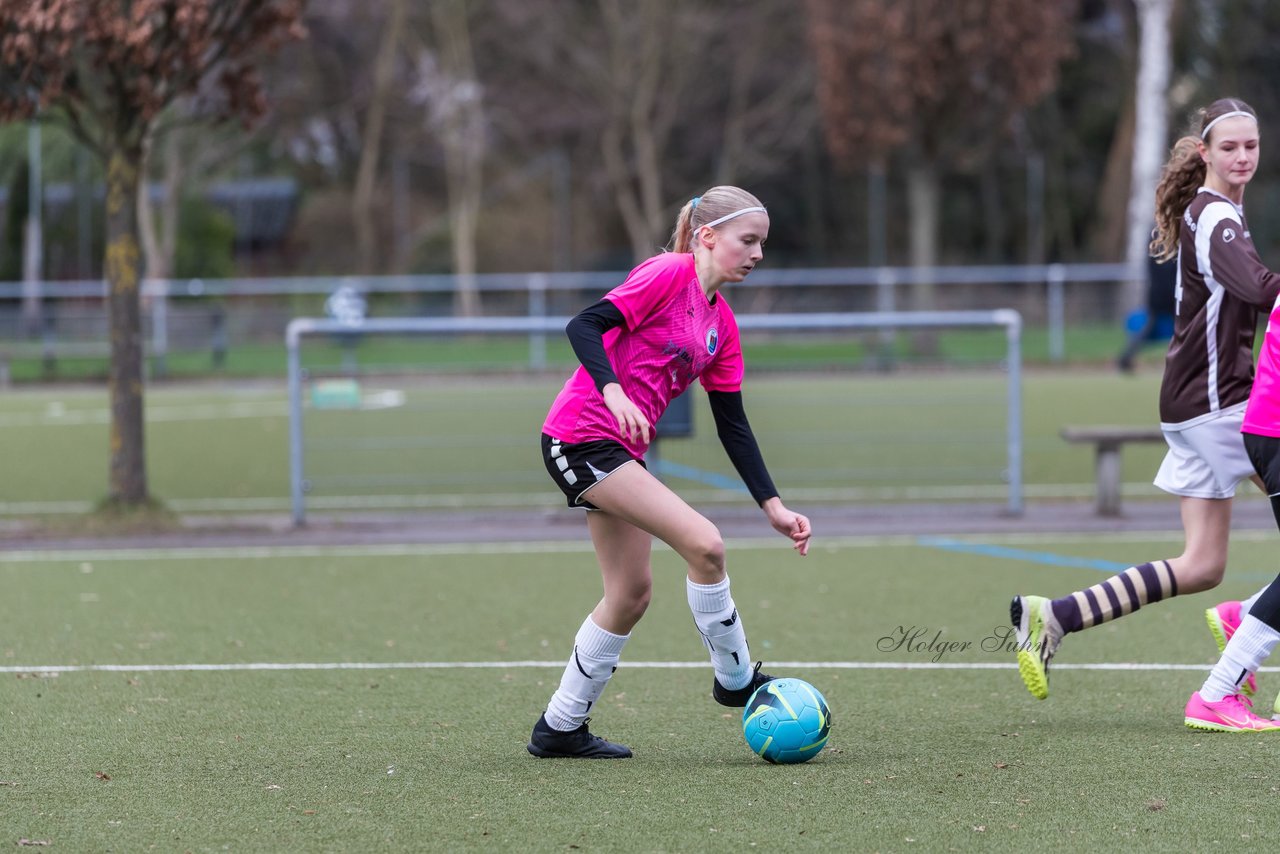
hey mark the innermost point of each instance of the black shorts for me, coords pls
(1264, 453)
(577, 467)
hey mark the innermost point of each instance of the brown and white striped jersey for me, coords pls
(1222, 285)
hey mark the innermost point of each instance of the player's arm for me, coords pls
(1239, 268)
(740, 444)
(586, 335)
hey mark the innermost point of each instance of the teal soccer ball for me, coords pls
(786, 721)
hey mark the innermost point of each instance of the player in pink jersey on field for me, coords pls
(640, 347)
(1218, 705)
(1221, 287)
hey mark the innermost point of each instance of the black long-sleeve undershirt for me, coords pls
(740, 443)
(586, 335)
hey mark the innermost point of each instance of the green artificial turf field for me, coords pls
(473, 442)
(379, 698)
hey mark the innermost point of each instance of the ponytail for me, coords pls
(1182, 178)
(682, 237)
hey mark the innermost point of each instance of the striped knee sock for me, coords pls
(1119, 595)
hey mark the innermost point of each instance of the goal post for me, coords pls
(536, 328)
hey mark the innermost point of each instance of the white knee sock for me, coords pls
(1247, 605)
(595, 657)
(1245, 652)
(717, 619)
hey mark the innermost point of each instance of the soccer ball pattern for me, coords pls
(786, 721)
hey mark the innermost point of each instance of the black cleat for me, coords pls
(548, 743)
(738, 698)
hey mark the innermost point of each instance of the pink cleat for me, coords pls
(1230, 714)
(1223, 621)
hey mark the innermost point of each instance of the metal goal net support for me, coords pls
(368, 434)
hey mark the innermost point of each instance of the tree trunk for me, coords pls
(924, 198)
(1107, 235)
(371, 143)
(1150, 128)
(923, 201)
(127, 483)
(160, 239)
(463, 139)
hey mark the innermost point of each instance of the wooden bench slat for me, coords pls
(1112, 434)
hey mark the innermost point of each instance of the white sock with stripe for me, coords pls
(595, 657)
(1245, 652)
(717, 619)
(1247, 605)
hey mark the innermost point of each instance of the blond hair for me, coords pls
(715, 203)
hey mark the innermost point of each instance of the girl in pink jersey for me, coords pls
(1221, 286)
(1219, 705)
(640, 347)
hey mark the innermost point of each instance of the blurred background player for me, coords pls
(640, 347)
(1222, 285)
(1154, 323)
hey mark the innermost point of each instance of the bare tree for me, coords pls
(656, 98)
(111, 68)
(375, 122)
(938, 81)
(449, 88)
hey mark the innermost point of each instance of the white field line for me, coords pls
(526, 665)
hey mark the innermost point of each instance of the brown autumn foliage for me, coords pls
(947, 75)
(122, 63)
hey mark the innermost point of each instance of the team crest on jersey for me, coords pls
(1228, 235)
(713, 341)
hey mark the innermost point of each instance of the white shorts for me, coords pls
(1206, 460)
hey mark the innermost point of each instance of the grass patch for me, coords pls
(433, 758)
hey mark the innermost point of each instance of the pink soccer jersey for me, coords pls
(1262, 414)
(672, 336)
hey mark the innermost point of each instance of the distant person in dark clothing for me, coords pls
(1157, 320)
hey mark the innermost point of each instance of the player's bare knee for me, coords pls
(640, 603)
(706, 557)
(1201, 575)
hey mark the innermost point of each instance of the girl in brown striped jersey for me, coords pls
(1222, 285)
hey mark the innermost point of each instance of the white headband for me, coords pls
(1204, 134)
(728, 217)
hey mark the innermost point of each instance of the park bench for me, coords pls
(1107, 442)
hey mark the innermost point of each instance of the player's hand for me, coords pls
(789, 524)
(631, 421)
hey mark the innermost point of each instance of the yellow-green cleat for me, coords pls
(1223, 620)
(1038, 634)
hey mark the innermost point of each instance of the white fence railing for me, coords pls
(889, 287)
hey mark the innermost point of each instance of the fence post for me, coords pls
(159, 292)
(1013, 359)
(219, 337)
(48, 344)
(537, 308)
(292, 340)
(1055, 300)
(885, 299)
